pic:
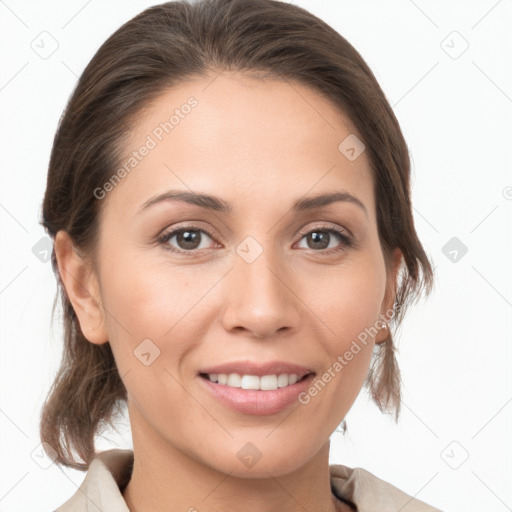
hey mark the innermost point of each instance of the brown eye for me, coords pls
(186, 240)
(325, 239)
(318, 239)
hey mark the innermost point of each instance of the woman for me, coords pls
(229, 198)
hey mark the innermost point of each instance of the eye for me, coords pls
(325, 238)
(187, 239)
(190, 239)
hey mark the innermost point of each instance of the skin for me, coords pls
(260, 145)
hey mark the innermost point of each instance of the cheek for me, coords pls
(159, 302)
(149, 327)
(148, 299)
(349, 305)
(350, 298)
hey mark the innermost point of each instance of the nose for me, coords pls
(260, 299)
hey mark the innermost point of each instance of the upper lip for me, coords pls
(258, 369)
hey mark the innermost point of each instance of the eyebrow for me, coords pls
(219, 205)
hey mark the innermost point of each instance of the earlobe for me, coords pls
(81, 285)
(389, 298)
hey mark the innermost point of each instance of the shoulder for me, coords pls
(368, 492)
(102, 486)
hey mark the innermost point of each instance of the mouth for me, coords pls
(269, 382)
(256, 395)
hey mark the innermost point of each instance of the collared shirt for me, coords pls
(110, 472)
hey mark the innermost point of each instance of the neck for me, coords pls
(165, 478)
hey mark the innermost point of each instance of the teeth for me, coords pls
(264, 383)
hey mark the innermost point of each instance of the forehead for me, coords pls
(244, 137)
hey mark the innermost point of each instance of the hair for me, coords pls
(161, 47)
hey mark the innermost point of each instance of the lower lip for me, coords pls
(255, 401)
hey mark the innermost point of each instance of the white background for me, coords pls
(452, 447)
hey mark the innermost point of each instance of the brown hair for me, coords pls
(158, 48)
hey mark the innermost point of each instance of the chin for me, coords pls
(252, 462)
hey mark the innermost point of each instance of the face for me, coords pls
(186, 287)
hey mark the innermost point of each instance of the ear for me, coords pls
(389, 297)
(82, 288)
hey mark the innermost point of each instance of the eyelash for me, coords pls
(346, 240)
